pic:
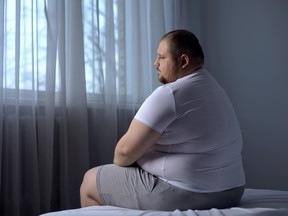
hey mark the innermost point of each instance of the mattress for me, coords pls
(255, 202)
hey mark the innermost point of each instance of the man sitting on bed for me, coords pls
(183, 147)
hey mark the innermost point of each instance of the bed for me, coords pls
(255, 202)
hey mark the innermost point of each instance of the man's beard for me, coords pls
(162, 79)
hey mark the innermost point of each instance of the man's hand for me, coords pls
(134, 143)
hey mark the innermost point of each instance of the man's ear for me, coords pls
(184, 60)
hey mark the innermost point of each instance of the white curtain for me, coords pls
(72, 75)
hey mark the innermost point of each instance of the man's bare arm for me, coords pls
(134, 143)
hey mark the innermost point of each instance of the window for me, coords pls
(26, 48)
(97, 21)
(25, 43)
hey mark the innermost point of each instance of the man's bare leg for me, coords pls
(88, 192)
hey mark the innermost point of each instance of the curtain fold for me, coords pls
(110, 95)
(45, 123)
(1, 85)
(76, 109)
(72, 76)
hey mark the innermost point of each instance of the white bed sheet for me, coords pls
(255, 202)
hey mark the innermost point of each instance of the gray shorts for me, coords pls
(134, 188)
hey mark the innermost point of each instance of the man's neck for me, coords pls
(191, 70)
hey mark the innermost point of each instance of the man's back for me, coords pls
(201, 139)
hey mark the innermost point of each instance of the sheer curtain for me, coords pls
(72, 75)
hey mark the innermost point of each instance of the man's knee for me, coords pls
(88, 188)
(89, 181)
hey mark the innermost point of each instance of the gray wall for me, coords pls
(246, 47)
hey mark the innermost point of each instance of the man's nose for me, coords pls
(156, 62)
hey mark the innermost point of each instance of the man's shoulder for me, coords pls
(164, 89)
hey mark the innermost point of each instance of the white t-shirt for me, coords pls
(200, 146)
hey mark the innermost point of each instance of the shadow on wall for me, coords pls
(246, 49)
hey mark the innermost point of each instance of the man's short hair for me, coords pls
(184, 42)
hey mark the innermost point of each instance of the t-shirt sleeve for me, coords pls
(158, 110)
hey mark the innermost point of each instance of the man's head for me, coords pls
(179, 54)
